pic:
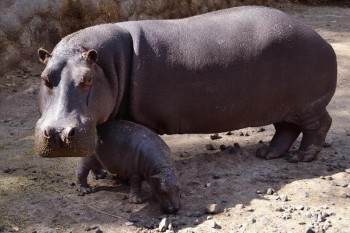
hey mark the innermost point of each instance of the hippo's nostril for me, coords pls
(47, 133)
(71, 132)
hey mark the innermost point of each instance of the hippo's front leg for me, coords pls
(86, 164)
(135, 182)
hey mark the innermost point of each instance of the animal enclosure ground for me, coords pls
(39, 195)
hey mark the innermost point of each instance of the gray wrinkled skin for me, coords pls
(137, 153)
(221, 71)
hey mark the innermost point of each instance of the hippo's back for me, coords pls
(245, 66)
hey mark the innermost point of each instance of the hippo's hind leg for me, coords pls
(314, 131)
(286, 133)
(135, 182)
(86, 165)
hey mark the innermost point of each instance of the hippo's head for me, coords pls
(167, 190)
(74, 98)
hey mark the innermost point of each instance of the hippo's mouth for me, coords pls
(83, 146)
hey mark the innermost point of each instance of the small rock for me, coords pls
(347, 170)
(7, 170)
(212, 209)
(210, 147)
(215, 136)
(236, 145)
(261, 141)
(252, 220)
(214, 224)
(207, 185)
(247, 134)
(259, 192)
(310, 231)
(98, 230)
(170, 227)
(239, 206)
(261, 130)
(209, 217)
(270, 191)
(15, 229)
(283, 198)
(327, 144)
(222, 147)
(306, 194)
(229, 133)
(163, 225)
(241, 134)
(344, 195)
(299, 207)
(128, 223)
(328, 178)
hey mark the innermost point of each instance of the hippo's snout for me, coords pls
(75, 140)
(59, 136)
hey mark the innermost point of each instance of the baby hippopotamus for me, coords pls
(137, 153)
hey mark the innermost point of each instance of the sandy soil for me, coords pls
(39, 195)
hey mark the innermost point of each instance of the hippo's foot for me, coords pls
(303, 156)
(85, 189)
(285, 135)
(314, 131)
(135, 199)
(268, 152)
(99, 174)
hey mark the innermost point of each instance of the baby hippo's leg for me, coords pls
(135, 182)
(86, 164)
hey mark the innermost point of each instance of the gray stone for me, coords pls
(213, 209)
(270, 191)
(284, 198)
(163, 225)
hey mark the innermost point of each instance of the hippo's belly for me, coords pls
(227, 70)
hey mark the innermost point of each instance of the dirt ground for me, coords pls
(39, 195)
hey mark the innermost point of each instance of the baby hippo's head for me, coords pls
(166, 188)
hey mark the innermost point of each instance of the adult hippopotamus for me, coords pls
(138, 154)
(220, 71)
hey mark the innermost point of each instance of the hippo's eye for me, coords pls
(46, 81)
(86, 80)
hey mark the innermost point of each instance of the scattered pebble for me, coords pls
(222, 147)
(128, 223)
(247, 134)
(283, 198)
(344, 195)
(212, 209)
(347, 170)
(7, 170)
(261, 141)
(270, 191)
(252, 220)
(327, 144)
(163, 225)
(209, 217)
(210, 147)
(214, 224)
(241, 134)
(229, 133)
(299, 207)
(261, 130)
(215, 136)
(236, 145)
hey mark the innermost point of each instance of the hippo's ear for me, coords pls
(43, 55)
(91, 55)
